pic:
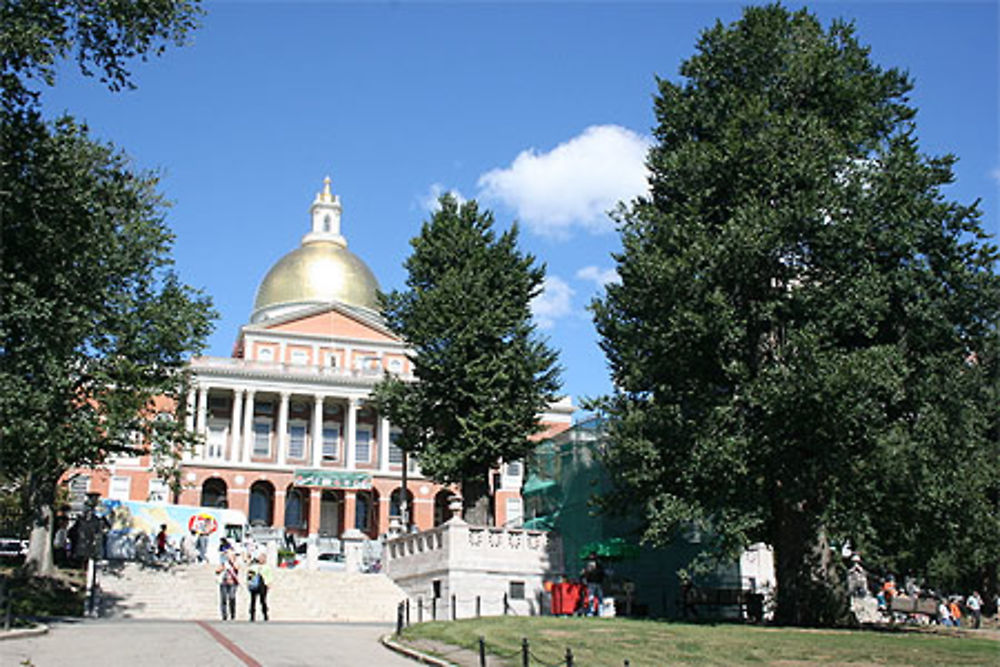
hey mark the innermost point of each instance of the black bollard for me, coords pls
(482, 651)
(453, 616)
(525, 654)
(407, 612)
(478, 606)
(504, 604)
(399, 618)
(434, 609)
(420, 610)
(569, 657)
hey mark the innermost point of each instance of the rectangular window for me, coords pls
(517, 590)
(300, 357)
(215, 445)
(158, 491)
(514, 469)
(331, 441)
(363, 445)
(515, 513)
(120, 487)
(261, 438)
(395, 453)
(296, 441)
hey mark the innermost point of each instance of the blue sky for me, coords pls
(542, 111)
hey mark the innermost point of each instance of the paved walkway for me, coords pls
(206, 644)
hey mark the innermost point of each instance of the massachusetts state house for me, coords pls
(287, 433)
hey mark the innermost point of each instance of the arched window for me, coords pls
(394, 503)
(261, 504)
(326, 223)
(365, 512)
(213, 493)
(294, 515)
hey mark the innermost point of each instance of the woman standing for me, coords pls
(229, 581)
(259, 577)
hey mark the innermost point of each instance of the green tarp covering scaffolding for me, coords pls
(565, 473)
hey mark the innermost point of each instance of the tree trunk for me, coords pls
(811, 592)
(39, 559)
(476, 508)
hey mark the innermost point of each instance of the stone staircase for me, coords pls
(191, 592)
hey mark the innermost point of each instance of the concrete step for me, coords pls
(191, 592)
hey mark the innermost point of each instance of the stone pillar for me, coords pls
(349, 438)
(189, 422)
(383, 444)
(315, 508)
(279, 508)
(248, 435)
(353, 549)
(235, 433)
(350, 509)
(317, 433)
(202, 424)
(283, 429)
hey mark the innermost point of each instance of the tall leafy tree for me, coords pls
(482, 375)
(804, 339)
(95, 326)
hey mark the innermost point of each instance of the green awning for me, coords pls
(612, 548)
(333, 479)
(541, 523)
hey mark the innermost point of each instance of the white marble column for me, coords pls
(201, 425)
(189, 422)
(383, 444)
(283, 428)
(235, 432)
(351, 427)
(317, 433)
(248, 435)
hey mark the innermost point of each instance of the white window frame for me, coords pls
(261, 421)
(329, 445)
(120, 487)
(215, 439)
(159, 492)
(370, 432)
(395, 452)
(297, 424)
(515, 513)
(265, 354)
(300, 357)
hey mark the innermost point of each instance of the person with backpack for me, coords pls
(259, 577)
(229, 581)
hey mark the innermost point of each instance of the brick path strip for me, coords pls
(229, 645)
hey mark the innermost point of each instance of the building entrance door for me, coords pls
(330, 507)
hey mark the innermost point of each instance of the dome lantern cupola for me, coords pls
(320, 271)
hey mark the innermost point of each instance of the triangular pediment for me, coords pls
(330, 320)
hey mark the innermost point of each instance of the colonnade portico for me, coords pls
(232, 428)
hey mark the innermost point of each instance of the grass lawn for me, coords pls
(612, 641)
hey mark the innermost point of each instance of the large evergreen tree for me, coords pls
(94, 324)
(481, 374)
(804, 339)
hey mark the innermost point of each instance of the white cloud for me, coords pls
(600, 277)
(995, 174)
(552, 303)
(575, 183)
(429, 202)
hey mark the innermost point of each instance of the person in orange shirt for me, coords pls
(956, 613)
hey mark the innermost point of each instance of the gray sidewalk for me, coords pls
(174, 643)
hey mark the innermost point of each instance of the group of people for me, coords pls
(950, 609)
(190, 548)
(259, 577)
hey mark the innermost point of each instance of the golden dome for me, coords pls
(317, 272)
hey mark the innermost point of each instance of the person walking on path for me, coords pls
(229, 581)
(259, 578)
(161, 542)
(593, 576)
(975, 606)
